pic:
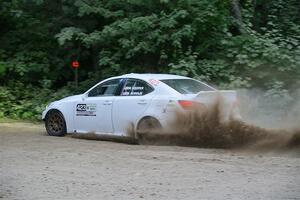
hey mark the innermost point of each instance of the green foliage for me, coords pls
(19, 101)
(150, 36)
(262, 59)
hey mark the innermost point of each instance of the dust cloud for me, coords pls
(206, 128)
(275, 111)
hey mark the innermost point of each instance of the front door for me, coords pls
(94, 112)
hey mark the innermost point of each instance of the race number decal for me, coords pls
(81, 107)
(86, 109)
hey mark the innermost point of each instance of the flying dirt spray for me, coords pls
(206, 128)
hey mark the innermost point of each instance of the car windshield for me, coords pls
(187, 86)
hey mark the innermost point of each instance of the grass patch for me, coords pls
(10, 120)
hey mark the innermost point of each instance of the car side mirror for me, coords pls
(84, 96)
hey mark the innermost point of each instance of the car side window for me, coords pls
(107, 88)
(135, 87)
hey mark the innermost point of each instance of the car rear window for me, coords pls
(187, 86)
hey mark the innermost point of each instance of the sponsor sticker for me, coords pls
(86, 109)
(154, 82)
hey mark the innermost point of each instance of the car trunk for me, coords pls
(226, 100)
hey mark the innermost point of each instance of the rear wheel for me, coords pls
(148, 124)
(147, 128)
(55, 123)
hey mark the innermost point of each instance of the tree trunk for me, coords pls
(237, 14)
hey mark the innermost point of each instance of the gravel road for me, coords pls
(41, 167)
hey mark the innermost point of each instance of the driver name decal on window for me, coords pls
(126, 91)
(86, 109)
(137, 91)
(132, 91)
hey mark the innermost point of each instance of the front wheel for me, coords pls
(55, 123)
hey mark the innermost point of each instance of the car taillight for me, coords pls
(188, 105)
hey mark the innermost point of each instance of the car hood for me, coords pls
(71, 98)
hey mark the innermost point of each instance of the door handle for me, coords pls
(142, 102)
(107, 103)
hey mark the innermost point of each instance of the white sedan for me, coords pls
(131, 101)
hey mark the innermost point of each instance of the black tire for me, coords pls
(148, 124)
(147, 130)
(55, 123)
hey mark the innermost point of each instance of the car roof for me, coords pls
(147, 76)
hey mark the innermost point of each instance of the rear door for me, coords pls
(135, 97)
(94, 112)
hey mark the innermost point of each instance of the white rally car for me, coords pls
(139, 101)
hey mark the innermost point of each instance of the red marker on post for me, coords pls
(75, 65)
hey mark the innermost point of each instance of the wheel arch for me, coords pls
(54, 109)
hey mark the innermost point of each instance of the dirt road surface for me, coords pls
(36, 166)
